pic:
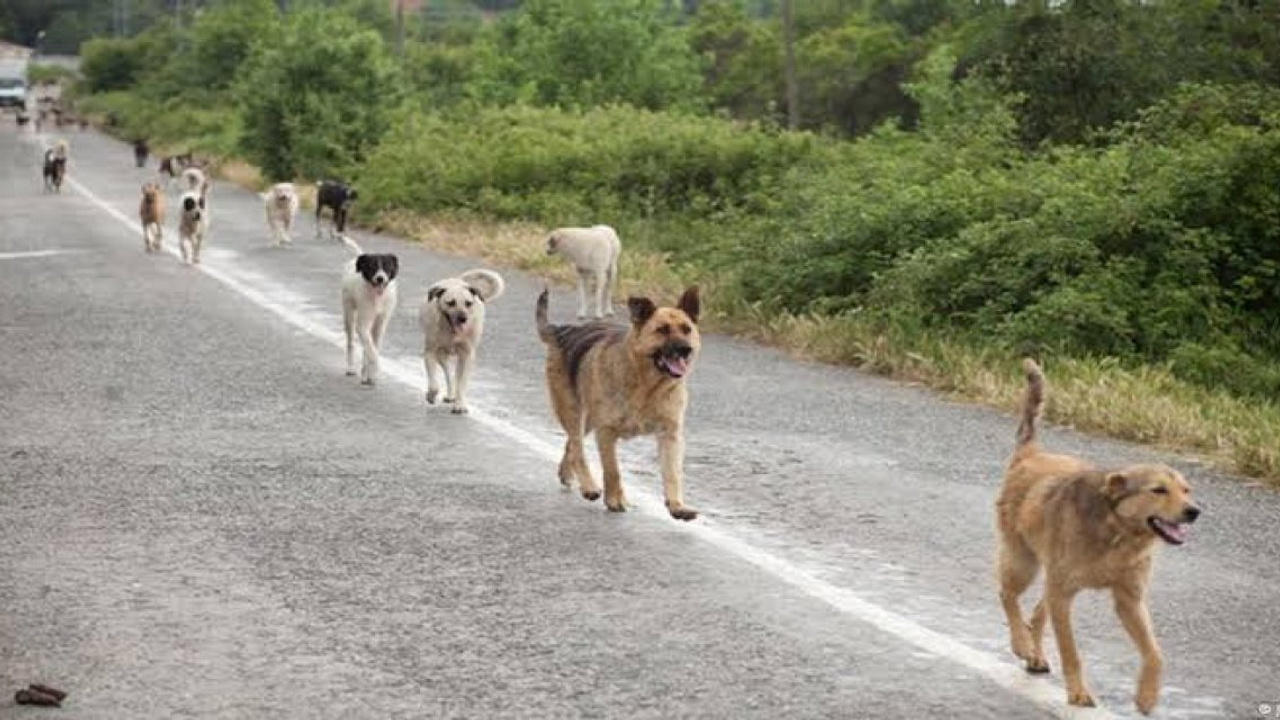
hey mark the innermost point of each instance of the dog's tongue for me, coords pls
(1174, 531)
(677, 365)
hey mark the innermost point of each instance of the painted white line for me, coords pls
(1039, 691)
(34, 254)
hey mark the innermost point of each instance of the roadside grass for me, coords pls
(1144, 404)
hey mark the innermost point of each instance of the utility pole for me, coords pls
(789, 67)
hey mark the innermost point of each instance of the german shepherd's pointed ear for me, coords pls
(642, 308)
(690, 303)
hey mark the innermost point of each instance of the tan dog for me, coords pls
(1090, 529)
(452, 321)
(151, 213)
(620, 382)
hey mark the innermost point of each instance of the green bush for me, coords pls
(315, 102)
(111, 64)
(571, 167)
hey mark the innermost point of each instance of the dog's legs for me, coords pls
(1058, 600)
(1132, 610)
(196, 241)
(349, 327)
(370, 339)
(614, 497)
(610, 285)
(602, 293)
(573, 462)
(184, 244)
(1039, 618)
(583, 278)
(671, 458)
(462, 373)
(317, 221)
(434, 366)
(1018, 568)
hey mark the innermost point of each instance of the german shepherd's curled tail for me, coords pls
(1032, 402)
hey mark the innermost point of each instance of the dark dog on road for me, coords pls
(55, 167)
(620, 382)
(140, 152)
(337, 196)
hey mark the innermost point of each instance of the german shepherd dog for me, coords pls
(620, 382)
(1089, 529)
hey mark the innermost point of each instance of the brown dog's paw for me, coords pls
(1080, 698)
(1146, 699)
(591, 495)
(1037, 666)
(616, 507)
(683, 513)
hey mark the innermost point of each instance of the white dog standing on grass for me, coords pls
(281, 204)
(368, 301)
(594, 252)
(452, 319)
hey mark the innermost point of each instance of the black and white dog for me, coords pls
(337, 196)
(368, 301)
(55, 167)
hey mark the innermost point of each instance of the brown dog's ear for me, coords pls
(1118, 485)
(690, 303)
(642, 308)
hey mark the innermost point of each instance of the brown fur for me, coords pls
(1089, 529)
(151, 213)
(608, 379)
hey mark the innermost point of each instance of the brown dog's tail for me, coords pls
(1032, 402)
(544, 326)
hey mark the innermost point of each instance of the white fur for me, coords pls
(193, 179)
(444, 337)
(193, 226)
(366, 310)
(281, 205)
(594, 253)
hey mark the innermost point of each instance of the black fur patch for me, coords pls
(337, 196)
(575, 341)
(369, 264)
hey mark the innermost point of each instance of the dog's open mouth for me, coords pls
(673, 361)
(1172, 533)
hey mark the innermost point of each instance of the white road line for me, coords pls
(1038, 691)
(34, 254)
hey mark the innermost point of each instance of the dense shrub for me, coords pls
(571, 167)
(317, 100)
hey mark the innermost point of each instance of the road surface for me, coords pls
(201, 516)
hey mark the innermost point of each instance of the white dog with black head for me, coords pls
(193, 223)
(452, 319)
(368, 301)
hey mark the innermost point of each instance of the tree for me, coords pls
(318, 99)
(584, 53)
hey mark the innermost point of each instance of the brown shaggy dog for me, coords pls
(620, 382)
(151, 213)
(1090, 529)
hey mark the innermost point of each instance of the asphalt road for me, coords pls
(201, 516)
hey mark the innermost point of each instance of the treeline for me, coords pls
(1092, 177)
